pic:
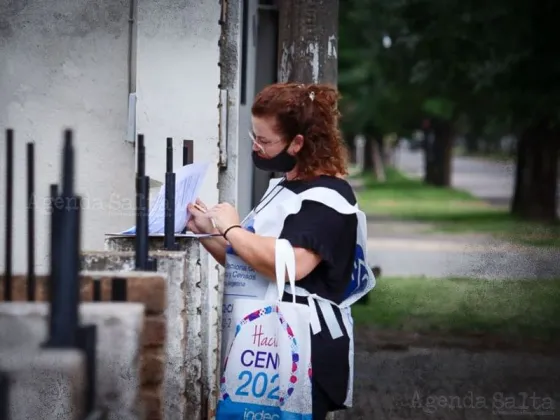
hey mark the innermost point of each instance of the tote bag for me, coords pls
(267, 371)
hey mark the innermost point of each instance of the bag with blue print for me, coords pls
(363, 280)
(267, 370)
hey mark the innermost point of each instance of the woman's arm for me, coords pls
(259, 252)
(216, 246)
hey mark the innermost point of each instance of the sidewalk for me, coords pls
(408, 248)
(401, 249)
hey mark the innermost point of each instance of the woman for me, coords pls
(295, 132)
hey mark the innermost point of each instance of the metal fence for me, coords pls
(63, 289)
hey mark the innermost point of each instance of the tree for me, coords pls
(493, 62)
(308, 41)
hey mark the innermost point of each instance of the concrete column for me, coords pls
(23, 328)
(190, 382)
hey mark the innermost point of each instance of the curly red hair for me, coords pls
(312, 111)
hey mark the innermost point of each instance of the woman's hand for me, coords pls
(199, 222)
(224, 216)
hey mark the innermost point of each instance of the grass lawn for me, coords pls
(449, 210)
(512, 308)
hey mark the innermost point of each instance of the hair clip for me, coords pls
(312, 96)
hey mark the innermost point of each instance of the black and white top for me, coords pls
(332, 236)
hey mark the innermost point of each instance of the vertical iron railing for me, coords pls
(143, 262)
(64, 269)
(31, 222)
(9, 214)
(4, 390)
(118, 290)
(169, 239)
(141, 207)
(65, 330)
(188, 152)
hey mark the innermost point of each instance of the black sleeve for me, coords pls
(318, 228)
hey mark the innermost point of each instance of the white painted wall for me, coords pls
(63, 64)
(177, 83)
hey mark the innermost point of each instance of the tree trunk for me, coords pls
(471, 142)
(378, 165)
(438, 146)
(368, 155)
(536, 178)
(350, 140)
(308, 41)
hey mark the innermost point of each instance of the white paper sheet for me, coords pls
(188, 181)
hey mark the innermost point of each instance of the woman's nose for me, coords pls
(257, 147)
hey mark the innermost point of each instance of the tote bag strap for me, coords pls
(285, 262)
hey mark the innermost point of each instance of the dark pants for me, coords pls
(322, 404)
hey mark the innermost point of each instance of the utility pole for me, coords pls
(308, 41)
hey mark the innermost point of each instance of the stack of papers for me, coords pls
(188, 181)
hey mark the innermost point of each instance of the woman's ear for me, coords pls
(297, 144)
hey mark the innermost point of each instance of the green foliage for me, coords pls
(520, 309)
(494, 61)
(450, 210)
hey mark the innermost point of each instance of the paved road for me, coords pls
(408, 249)
(453, 384)
(490, 180)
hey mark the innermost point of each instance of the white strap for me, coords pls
(330, 319)
(348, 324)
(326, 307)
(285, 262)
(314, 321)
(326, 196)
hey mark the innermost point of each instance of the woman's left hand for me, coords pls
(224, 216)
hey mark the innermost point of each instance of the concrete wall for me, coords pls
(249, 59)
(64, 63)
(72, 63)
(24, 328)
(177, 83)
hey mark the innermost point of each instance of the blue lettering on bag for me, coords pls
(258, 385)
(360, 276)
(229, 409)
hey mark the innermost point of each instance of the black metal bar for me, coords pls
(169, 155)
(150, 263)
(65, 288)
(4, 393)
(118, 289)
(169, 239)
(96, 290)
(68, 165)
(188, 152)
(141, 207)
(9, 213)
(30, 221)
(86, 341)
(54, 235)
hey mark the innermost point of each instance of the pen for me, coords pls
(198, 207)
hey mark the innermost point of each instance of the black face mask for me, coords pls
(282, 162)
